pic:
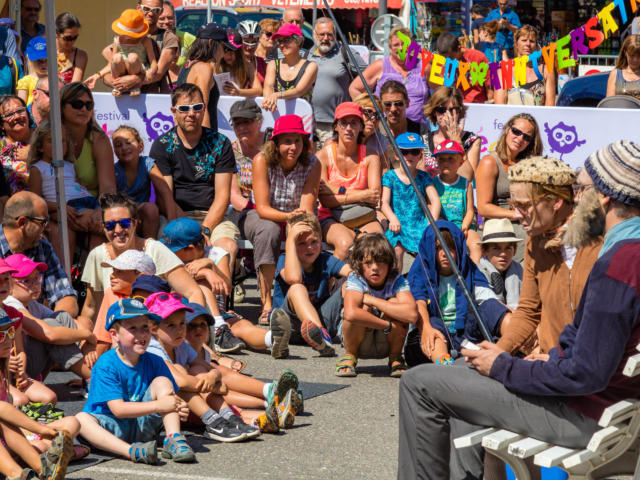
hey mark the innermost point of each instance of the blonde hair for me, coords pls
(394, 31)
(308, 219)
(441, 96)
(365, 101)
(269, 23)
(37, 141)
(525, 30)
(541, 191)
(631, 46)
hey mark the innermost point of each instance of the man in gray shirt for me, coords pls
(334, 76)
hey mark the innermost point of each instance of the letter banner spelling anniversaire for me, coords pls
(151, 114)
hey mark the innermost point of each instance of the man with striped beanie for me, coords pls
(559, 397)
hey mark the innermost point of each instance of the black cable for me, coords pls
(423, 203)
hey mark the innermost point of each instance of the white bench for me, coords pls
(613, 450)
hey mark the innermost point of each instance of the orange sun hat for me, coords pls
(131, 24)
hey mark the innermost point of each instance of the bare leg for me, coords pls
(118, 67)
(36, 392)
(81, 369)
(340, 237)
(475, 250)
(162, 387)
(70, 424)
(230, 245)
(266, 275)
(97, 436)
(399, 251)
(241, 383)
(8, 466)
(132, 64)
(150, 220)
(248, 332)
(18, 444)
(298, 298)
(353, 335)
(243, 400)
(372, 227)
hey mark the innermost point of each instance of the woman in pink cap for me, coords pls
(244, 81)
(292, 76)
(350, 182)
(286, 175)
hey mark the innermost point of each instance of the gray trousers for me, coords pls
(439, 403)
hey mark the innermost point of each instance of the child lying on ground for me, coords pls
(305, 308)
(444, 316)
(378, 307)
(132, 394)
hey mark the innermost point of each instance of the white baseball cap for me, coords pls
(132, 260)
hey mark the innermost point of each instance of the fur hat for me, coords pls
(615, 171)
(544, 170)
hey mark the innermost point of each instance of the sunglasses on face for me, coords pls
(30, 281)
(520, 133)
(17, 111)
(78, 104)
(370, 114)
(8, 333)
(397, 103)
(268, 34)
(42, 221)
(46, 92)
(145, 9)
(70, 38)
(196, 107)
(442, 109)
(345, 123)
(123, 222)
(413, 152)
(32, 9)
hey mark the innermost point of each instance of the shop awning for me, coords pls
(288, 3)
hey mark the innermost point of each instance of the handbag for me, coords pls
(353, 215)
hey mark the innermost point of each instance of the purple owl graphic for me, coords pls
(562, 138)
(157, 125)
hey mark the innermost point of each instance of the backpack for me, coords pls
(11, 62)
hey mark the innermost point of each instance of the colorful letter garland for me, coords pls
(565, 50)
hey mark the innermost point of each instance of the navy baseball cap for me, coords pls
(37, 49)
(150, 283)
(180, 233)
(128, 308)
(409, 141)
(212, 31)
(198, 310)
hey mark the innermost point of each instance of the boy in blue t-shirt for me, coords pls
(132, 393)
(304, 304)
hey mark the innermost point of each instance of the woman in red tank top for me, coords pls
(350, 182)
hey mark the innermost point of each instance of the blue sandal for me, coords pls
(146, 452)
(177, 449)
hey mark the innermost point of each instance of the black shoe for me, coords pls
(227, 342)
(280, 326)
(223, 431)
(249, 430)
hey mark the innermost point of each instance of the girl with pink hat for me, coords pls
(131, 52)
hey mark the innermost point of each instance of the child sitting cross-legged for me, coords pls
(305, 307)
(245, 391)
(378, 307)
(133, 394)
(200, 384)
(444, 316)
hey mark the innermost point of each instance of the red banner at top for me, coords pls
(287, 3)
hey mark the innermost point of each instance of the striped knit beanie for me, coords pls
(615, 171)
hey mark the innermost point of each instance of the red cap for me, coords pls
(287, 30)
(288, 124)
(449, 146)
(348, 108)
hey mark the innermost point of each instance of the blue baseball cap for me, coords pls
(199, 310)
(180, 233)
(37, 49)
(128, 308)
(409, 141)
(150, 283)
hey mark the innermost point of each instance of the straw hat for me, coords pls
(498, 230)
(131, 24)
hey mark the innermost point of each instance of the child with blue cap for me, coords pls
(37, 56)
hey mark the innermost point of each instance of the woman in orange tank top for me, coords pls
(350, 185)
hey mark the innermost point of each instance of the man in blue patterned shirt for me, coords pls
(25, 219)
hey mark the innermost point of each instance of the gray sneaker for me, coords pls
(280, 326)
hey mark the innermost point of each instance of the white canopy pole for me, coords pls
(209, 12)
(56, 131)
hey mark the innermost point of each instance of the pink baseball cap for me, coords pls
(288, 124)
(164, 304)
(21, 265)
(287, 30)
(449, 146)
(5, 267)
(348, 108)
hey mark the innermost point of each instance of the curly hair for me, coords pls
(533, 148)
(272, 156)
(441, 96)
(376, 247)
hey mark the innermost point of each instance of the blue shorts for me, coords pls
(84, 203)
(140, 429)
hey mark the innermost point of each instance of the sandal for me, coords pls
(146, 453)
(26, 474)
(79, 452)
(55, 460)
(399, 368)
(263, 319)
(344, 369)
(177, 449)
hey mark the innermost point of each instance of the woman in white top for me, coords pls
(119, 219)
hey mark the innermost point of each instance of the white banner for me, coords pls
(568, 133)
(151, 114)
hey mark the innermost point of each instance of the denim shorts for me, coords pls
(140, 429)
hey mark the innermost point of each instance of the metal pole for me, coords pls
(16, 9)
(56, 131)
(423, 203)
(382, 7)
(315, 13)
(209, 6)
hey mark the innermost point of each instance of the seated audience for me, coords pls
(14, 145)
(37, 56)
(244, 81)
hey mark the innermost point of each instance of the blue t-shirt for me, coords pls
(325, 267)
(140, 191)
(112, 379)
(185, 354)
(389, 290)
(504, 36)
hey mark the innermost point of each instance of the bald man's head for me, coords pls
(23, 204)
(293, 15)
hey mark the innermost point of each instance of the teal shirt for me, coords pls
(453, 199)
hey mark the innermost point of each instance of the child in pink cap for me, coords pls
(199, 383)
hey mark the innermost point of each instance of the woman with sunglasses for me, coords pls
(71, 60)
(292, 76)
(520, 139)
(392, 68)
(267, 42)
(119, 215)
(446, 110)
(16, 133)
(371, 135)
(244, 81)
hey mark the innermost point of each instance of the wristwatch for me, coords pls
(206, 231)
(387, 330)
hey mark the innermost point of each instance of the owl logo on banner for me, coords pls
(562, 138)
(157, 125)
